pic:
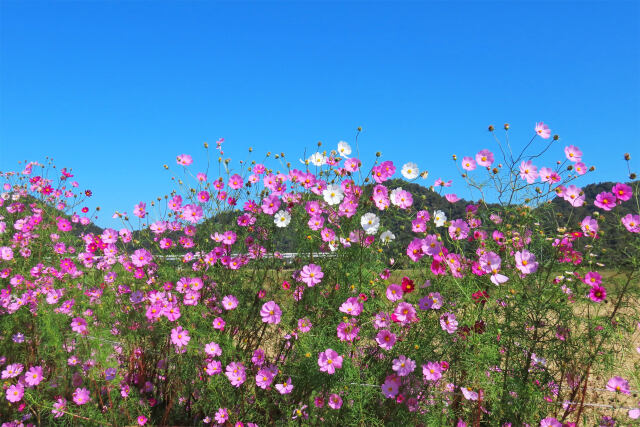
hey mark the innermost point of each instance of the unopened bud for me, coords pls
(627, 156)
(506, 126)
(455, 157)
(592, 168)
(556, 137)
(319, 143)
(570, 167)
(359, 128)
(632, 175)
(495, 171)
(206, 145)
(378, 154)
(491, 128)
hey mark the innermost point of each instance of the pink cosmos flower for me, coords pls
(33, 377)
(222, 415)
(12, 370)
(311, 274)
(589, 226)
(184, 159)
(528, 171)
(403, 366)
(622, 191)
(304, 325)
(526, 262)
(390, 387)
(573, 153)
(264, 378)
(394, 292)
(81, 396)
(618, 384)
(385, 339)
(142, 420)
(448, 322)
(631, 223)
(79, 325)
(592, 278)
(192, 213)
(550, 422)
(484, 158)
(451, 198)
(229, 302)
(235, 182)
(141, 257)
(6, 253)
(404, 313)
(335, 401)
(212, 349)
(180, 337)
(329, 361)
(580, 168)
(59, 406)
(235, 372)
(352, 306)
(597, 293)
(213, 368)
(468, 163)
(286, 387)
(543, 130)
(605, 200)
(270, 204)
(15, 393)
(271, 313)
(432, 371)
(459, 229)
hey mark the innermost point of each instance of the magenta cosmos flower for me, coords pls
(311, 274)
(335, 401)
(81, 396)
(605, 200)
(264, 378)
(386, 339)
(180, 337)
(597, 293)
(329, 361)
(622, 191)
(271, 313)
(618, 384)
(543, 130)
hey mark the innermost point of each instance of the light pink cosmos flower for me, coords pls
(618, 384)
(184, 159)
(139, 210)
(33, 377)
(335, 401)
(404, 313)
(329, 361)
(580, 168)
(574, 195)
(271, 313)
(385, 339)
(484, 158)
(304, 325)
(448, 322)
(180, 337)
(589, 226)
(286, 387)
(6, 253)
(235, 182)
(550, 422)
(59, 406)
(141, 257)
(432, 371)
(222, 415)
(468, 163)
(192, 213)
(15, 393)
(543, 130)
(622, 191)
(403, 366)
(490, 263)
(212, 349)
(605, 200)
(12, 370)
(573, 153)
(352, 306)
(311, 274)
(526, 262)
(459, 229)
(81, 396)
(528, 171)
(213, 368)
(631, 223)
(79, 325)
(469, 394)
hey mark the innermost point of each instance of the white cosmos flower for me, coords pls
(344, 149)
(333, 194)
(370, 222)
(393, 195)
(410, 170)
(439, 218)
(282, 219)
(317, 159)
(387, 236)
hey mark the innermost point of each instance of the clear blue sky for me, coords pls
(116, 89)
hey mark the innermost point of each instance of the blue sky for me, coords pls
(115, 90)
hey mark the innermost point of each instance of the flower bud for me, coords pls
(627, 156)
(359, 128)
(556, 137)
(632, 175)
(506, 126)
(491, 128)
(455, 157)
(319, 143)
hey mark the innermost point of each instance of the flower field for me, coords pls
(508, 310)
